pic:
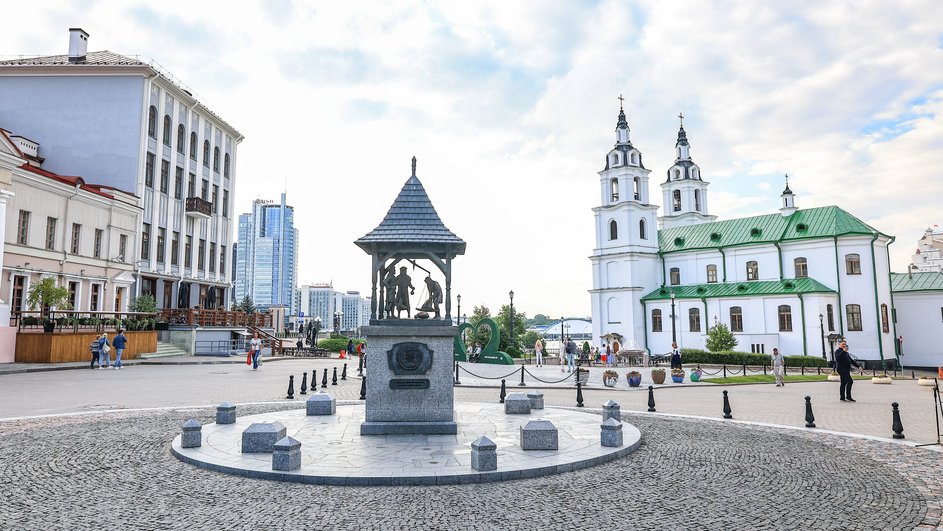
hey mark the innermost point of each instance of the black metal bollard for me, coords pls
(456, 374)
(803, 370)
(334, 377)
(324, 380)
(809, 417)
(522, 384)
(913, 375)
(725, 370)
(363, 388)
(897, 426)
(579, 394)
(577, 375)
(651, 399)
(818, 371)
(344, 373)
(727, 414)
(764, 369)
(314, 380)
(360, 365)
(744, 369)
(504, 392)
(291, 387)
(304, 383)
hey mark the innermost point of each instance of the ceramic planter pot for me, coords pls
(928, 382)
(634, 381)
(610, 381)
(677, 379)
(658, 377)
(695, 377)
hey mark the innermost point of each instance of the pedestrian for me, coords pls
(104, 352)
(477, 352)
(608, 355)
(779, 368)
(93, 347)
(539, 352)
(675, 356)
(350, 348)
(255, 347)
(843, 363)
(119, 342)
(570, 355)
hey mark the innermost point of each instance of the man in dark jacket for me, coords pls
(843, 363)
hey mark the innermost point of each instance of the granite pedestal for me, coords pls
(610, 410)
(517, 404)
(286, 454)
(226, 413)
(539, 435)
(320, 404)
(611, 433)
(484, 454)
(192, 436)
(260, 437)
(536, 399)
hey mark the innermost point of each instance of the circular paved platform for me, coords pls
(334, 453)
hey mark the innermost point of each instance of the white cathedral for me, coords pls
(788, 279)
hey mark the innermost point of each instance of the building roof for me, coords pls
(102, 58)
(809, 223)
(791, 286)
(901, 282)
(74, 180)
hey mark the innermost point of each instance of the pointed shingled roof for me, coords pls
(411, 220)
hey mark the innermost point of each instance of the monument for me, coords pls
(409, 383)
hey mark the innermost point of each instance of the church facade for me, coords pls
(788, 280)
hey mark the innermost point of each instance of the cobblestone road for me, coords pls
(115, 471)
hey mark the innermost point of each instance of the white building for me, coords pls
(777, 280)
(929, 255)
(10, 159)
(131, 126)
(918, 303)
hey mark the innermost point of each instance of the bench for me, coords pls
(306, 352)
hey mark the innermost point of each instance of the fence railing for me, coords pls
(65, 321)
(200, 317)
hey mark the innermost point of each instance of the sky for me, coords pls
(510, 108)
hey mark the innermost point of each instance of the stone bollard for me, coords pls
(536, 399)
(896, 425)
(610, 410)
(517, 404)
(334, 377)
(260, 437)
(484, 454)
(611, 434)
(226, 413)
(192, 436)
(286, 454)
(503, 394)
(291, 387)
(539, 435)
(320, 404)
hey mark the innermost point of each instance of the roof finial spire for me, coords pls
(414, 165)
(621, 99)
(681, 116)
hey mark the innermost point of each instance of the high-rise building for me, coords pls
(133, 127)
(267, 260)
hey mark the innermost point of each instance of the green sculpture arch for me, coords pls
(490, 352)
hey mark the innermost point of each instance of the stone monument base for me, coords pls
(409, 428)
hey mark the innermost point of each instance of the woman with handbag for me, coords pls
(255, 349)
(104, 352)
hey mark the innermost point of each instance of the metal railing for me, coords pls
(223, 318)
(73, 321)
(199, 205)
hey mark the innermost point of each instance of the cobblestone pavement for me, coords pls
(115, 471)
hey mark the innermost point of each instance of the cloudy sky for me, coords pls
(510, 108)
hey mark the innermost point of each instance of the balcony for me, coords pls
(199, 207)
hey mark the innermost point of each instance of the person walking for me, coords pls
(255, 347)
(779, 368)
(104, 352)
(843, 363)
(350, 348)
(675, 356)
(539, 352)
(93, 347)
(608, 355)
(570, 355)
(477, 352)
(119, 342)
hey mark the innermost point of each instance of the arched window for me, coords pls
(216, 159)
(677, 174)
(181, 138)
(830, 316)
(167, 129)
(152, 122)
(711, 274)
(656, 320)
(226, 166)
(613, 230)
(637, 188)
(753, 270)
(193, 146)
(675, 276)
(802, 267)
(614, 308)
(694, 173)
(694, 320)
(697, 200)
(852, 264)
(885, 324)
(853, 315)
(206, 153)
(614, 189)
(676, 200)
(785, 318)
(642, 233)
(736, 319)
(634, 158)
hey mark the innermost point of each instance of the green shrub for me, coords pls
(513, 351)
(693, 355)
(807, 361)
(337, 344)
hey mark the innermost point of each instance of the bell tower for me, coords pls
(684, 192)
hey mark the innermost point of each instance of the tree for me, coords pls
(504, 327)
(247, 305)
(530, 337)
(720, 338)
(539, 320)
(45, 295)
(145, 303)
(483, 334)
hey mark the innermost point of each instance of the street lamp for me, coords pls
(674, 337)
(337, 321)
(511, 332)
(459, 312)
(465, 318)
(822, 331)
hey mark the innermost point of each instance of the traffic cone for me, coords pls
(939, 372)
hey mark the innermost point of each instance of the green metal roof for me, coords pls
(819, 222)
(790, 286)
(916, 282)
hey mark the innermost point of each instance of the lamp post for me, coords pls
(458, 314)
(674, 337)
(511, 330)
(465, 318)
(822, 331)
(337, 321)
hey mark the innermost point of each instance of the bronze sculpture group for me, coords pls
(399, 287)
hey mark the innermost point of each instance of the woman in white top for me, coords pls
(255, 346)
(539, 351)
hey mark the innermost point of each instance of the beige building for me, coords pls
(9, 160)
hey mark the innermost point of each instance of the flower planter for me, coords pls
(882, 380)
(634, 380)
(677, 379)
(927, 382)
(834, 377)
(610, 380)
(695, 377)
(658, 377)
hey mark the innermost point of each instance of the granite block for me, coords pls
(610, 410)
(286, 454)
(226, 413)
(192, 436)
(539, 435)
(321, 404)
(484, 454)
(517, 404)
(611, 433)
(536, 399)
(261, 437)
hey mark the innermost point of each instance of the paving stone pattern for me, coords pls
(115, 471)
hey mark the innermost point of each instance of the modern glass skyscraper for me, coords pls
(267, 257)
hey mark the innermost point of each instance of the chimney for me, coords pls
(78, 45)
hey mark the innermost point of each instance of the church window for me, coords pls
(830, 316)
(181, 137)
(614, 189)
(676, 200)
(853, 313)
(656, 320)
(613, 230)
(802, 267)
(641, 229)
(852, 264)
(753, 270)
(694, 173)
(711, 274)
(736, 319)
(152, 122)
(785, 318)
(697, 200)
(694, 320)
(636, 184)
(675, 276)
(206, 153)
(167, 128)
(885, 325)
(226, 166)
(677, 174)
(634, 158)
(192, 146)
